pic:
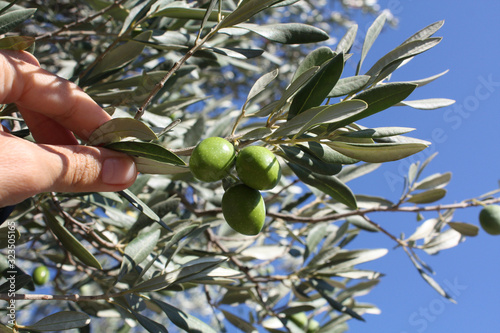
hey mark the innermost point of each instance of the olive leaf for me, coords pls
(335, 113)
(118, 13)
(21, 278)
(147, 150)
(187, 13)
(70, 243)
(16, 43)
(208, 13)
(118, 129)
(150, 166)
(395, 58)
(371, 35)
(287, 33)
(187, 272)
(237, 53)
(430, 280)
(289, 92)
(182, 319)
(11, 19)
(378, 99)
(377, 152)
(261, 84)
(327, 154)
(466, 229)
(149, 324)
(428, 196)
(348, 85)
(327, 184)
(237, 321)
(426, 32)
(345, 44)
(118, 57)
(351, 172)
(298, 155)
(321, 287)
(137, 251)
(380, 132)
(436, 180)
(317, 89)
(315, 58)
(427, 80)
(246, 10)
(428, 104)
(362, 223)
(59, 321)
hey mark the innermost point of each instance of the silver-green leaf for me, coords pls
(59, 321)
(138, 250)
(377, 152)
(288, 33)
(118, 129)
(428, 196)
(428, 104)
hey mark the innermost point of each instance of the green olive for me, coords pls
(313, 326)
(243, 209)
(489, 218)
(212, 159)
(258, 167)
(300, 319)
(41, 275)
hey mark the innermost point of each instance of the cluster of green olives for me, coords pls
(257, 168)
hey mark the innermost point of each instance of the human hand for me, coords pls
(54, 109)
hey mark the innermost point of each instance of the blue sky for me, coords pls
(468, 146)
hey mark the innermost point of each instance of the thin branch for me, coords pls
(412, 209)
(80, 21)
(244, 269)
(387, 233)
(175, 67)
(360, 212)
(67, 217)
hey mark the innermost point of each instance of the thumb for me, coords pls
(28, 169)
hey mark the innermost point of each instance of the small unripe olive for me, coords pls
(489, 218)
(212, 159)
(300, 319)
(313, 326)
(41, 275)
(258, 167)
(244, 209)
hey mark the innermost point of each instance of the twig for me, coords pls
(67, 216)
(387, 233)
(80, 21)
(361, 212)
(175, 67)
(412, 209)
(244, 269)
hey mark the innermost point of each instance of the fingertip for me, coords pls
(22, 55)
(118, 171)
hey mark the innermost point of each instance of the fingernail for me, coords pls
(116, 171)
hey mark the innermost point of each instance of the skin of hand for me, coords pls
(55, 110)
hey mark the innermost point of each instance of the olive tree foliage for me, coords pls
(159, 255)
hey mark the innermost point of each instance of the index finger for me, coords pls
(34, 89)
